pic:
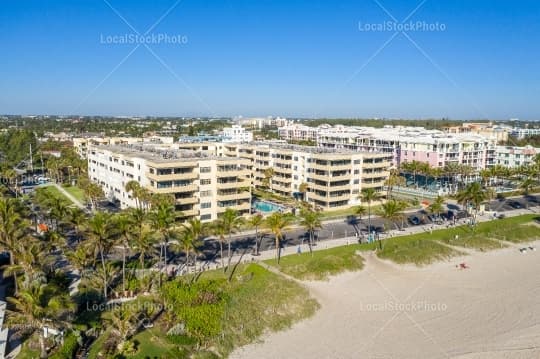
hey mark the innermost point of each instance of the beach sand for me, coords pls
(491, 310)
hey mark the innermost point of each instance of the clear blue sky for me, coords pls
(290, 58)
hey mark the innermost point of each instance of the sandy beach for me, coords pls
(491, 310)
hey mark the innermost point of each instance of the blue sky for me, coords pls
(291, 58)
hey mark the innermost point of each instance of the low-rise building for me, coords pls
(512, 156)
(203, 185)
(237, 133)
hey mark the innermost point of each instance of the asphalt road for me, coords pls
(352, 227)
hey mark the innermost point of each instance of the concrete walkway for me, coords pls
(69, 196)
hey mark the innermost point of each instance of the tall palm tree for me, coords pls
(190, 236)
(277, 223)
(122, 322)
(268, 175)
(40, 306)
(303, 188)
(77, 218)
(93, 192)
(526, 185)
(473, 194)
(219, 230)
(311, 221)
(392, 211)
(369, 195)
(134, 188)
(232, 223)
(100, 230)
(144, 243)
(256, 222)
(124, 226)
(162, 218)
(437, 206)
(13, 229)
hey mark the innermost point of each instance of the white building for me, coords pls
(510, 156)
(524, 132)
(298, 132)
(237, 133)
(81, 144)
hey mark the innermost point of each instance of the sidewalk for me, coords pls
(331, 243)
(68, 195)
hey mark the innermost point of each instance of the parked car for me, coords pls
(414, 220)
(515, 205)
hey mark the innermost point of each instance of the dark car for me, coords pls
(414, 220)
(515, 205)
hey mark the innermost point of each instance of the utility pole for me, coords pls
(31, 160)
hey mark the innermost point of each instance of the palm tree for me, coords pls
(121, 320)
(256, 221)
(392, 211)
(144, 243)
(162, 218)
(124, 226)
(267, 180)
(437, 206)
(13, 229)
(393, 180)
(232, 223)
(369, 195)
(277, 223)
(473, 194)
(93, 192)
(190, 236)
(526, 185)
(39, 307)
(219, 230)
(77, 218)
(100, 231)
(311, 221)
(134, 188)
(303, 188)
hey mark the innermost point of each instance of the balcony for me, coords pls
(372, 185)
(315, 196)
(381, 174)
(382, 164)
(279, 187)
(187, 200)
(346, 187)
(233, 196)
(230, 185)
(190, 212)
(172, 177)
(283, 170)
(241, 172)
(238, 207)
(340, 197)
(173, 189)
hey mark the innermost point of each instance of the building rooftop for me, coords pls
(310, 149)
(162, 154)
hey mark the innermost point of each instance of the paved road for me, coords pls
(358, 228)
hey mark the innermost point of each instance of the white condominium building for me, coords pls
(407, 144)
(237, 133)
(525, 132)
(510, 156)
(202, 185)
(298, 132)
(333, 177)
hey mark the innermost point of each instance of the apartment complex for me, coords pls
(81, 144)
(334, 177)
(237, 133)
(298, 132)
(202, 185)
(524, 132)
(510, 156)
(406, 144)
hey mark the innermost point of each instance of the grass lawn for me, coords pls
(426, 248)
(151, 342)
(28, 353)
(321, 264)
(52, 191)
(415, 250)
(76, 192)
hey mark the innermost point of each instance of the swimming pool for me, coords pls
(266, 207)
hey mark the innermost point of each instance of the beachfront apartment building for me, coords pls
(334, 177)
(81, 144)
(406, 144)
(486, 129)
(512, 156)
(202, 185)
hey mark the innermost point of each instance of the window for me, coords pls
(356, 162)
(206, 181)
(205, 169)
(206, 205)
(356, 181)
(206, 193)
(205, 217)
(356, 172)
